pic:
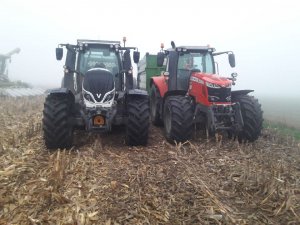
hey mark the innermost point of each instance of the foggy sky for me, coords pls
(264, 35)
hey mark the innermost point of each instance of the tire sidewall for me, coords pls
(252, 117)
(168, 120)
(53, 133)
(153, 104)
(138, 122)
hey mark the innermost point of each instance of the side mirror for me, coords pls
(127, 60)
(59, 53)
(231, 59)
(136, 57)
(160, 59)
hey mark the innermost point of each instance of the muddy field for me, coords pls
(102, 181)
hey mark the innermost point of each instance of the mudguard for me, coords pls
(160, 83)
(137, 92)
(61, 91)
(239, 92)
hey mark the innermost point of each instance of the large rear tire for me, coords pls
(155, 104)
(252, 117)
(178, 119)
(58, 131)
(138, 121)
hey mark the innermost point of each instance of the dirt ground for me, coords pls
(102, 181)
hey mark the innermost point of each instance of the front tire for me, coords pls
(178, 119)
(138, 121)
(252, 117)
(58, 131)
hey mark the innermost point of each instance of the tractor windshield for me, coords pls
(197, 61)
(101, 57)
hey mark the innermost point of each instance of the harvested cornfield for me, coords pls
(102, 181)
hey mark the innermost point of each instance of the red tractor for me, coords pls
(189, 93)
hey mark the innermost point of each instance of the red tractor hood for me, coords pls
(213, 78)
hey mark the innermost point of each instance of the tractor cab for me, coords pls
(99, 56)
(92, 54)
(182, 61)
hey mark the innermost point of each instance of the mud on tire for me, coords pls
(58, 132)
(178, 119)
(252, 117)
(138, 121)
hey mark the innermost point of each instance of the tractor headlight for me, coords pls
(109, 97)
(88, 96)
(213, 98)
(211, 85)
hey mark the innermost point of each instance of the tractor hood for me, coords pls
(213, 79)
(210, 87)
(98, 88)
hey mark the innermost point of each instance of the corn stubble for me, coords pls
(102, 181)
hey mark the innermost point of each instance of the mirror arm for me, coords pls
(220, 53)
(217, 67)
(73, 71)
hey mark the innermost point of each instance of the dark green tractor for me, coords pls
(96, 93)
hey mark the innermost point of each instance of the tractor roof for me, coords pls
(192, 48)
(103, 42)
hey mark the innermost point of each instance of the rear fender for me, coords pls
(161, 83)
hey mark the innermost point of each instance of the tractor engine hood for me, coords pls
(217, 89)
(213, 79)
(98, 88)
